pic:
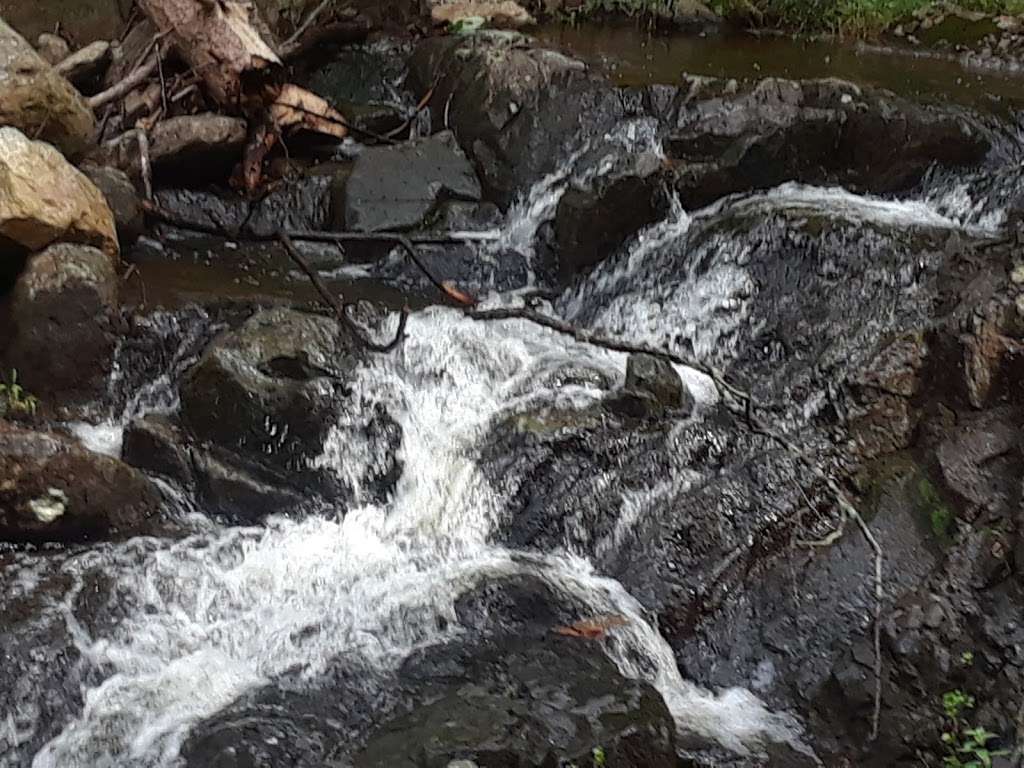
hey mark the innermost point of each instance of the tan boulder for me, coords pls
(506, 13)
(36, 99)
(45, 200)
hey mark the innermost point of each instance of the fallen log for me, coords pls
(223, 41)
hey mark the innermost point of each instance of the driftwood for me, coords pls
(222, 41)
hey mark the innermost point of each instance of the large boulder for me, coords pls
(531, 703)
(395, 188)
(37, 100)
(54, 490)
(44, 200)
(63, 313)
(594, 219)
(512, 106)
(725, 139)
(268, 390)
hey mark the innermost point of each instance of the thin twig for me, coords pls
(124, 87)
(336, 304)
(306, 24)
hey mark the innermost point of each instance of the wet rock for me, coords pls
(87, 65)
(505, 691)
(568, 700)
(884, 420)
(226, 483)
(155, 444)
(984, 352)
(513, 107)
(647, 373)
(38, 101)
(63, 314)
(593, 221)
(240, 494)
(55, 490)
(817, 131)
(394, 188)
(122, 199)
(44, 199)
(53, 48)
(302, 203)
(204, 144)
(268, 389)
(977, 462)
(505, 14)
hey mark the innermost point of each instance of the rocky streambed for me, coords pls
(236, 536)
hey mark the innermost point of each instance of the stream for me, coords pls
(288, 641)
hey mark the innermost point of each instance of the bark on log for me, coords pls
(224, 42)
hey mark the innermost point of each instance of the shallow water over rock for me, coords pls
(623, 570)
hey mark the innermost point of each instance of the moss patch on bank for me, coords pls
(836, 16)
(847, 16)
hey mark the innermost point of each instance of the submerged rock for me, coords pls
(63, 315)
(395, 188)
(54, 490)
(37, 100)
(44, 199)
(505, 691)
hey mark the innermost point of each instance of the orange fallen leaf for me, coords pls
(592, 629)
(455, 294)
(296, 107)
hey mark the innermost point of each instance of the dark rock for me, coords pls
(155, 444)
(302, 203)
(38, 101)
(123, 200)
(977, 462)
(817, 131)
(87, 65)
(181, 147)
(514, 108)
(659, 377)
(268, 389)
(593, 221)
(395, 188)
(64, 312)
(239, 494)
(505, 692)
(56, 490)
(536, 702)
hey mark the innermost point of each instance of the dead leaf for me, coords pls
(594, 628)
(296, 107)
(457, 295)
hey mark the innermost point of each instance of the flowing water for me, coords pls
(187, 626)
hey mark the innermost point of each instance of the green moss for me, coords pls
(933, 508)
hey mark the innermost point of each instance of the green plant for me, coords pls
(967, 658)
(966, 746)
(14, 398)
(600, 759)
